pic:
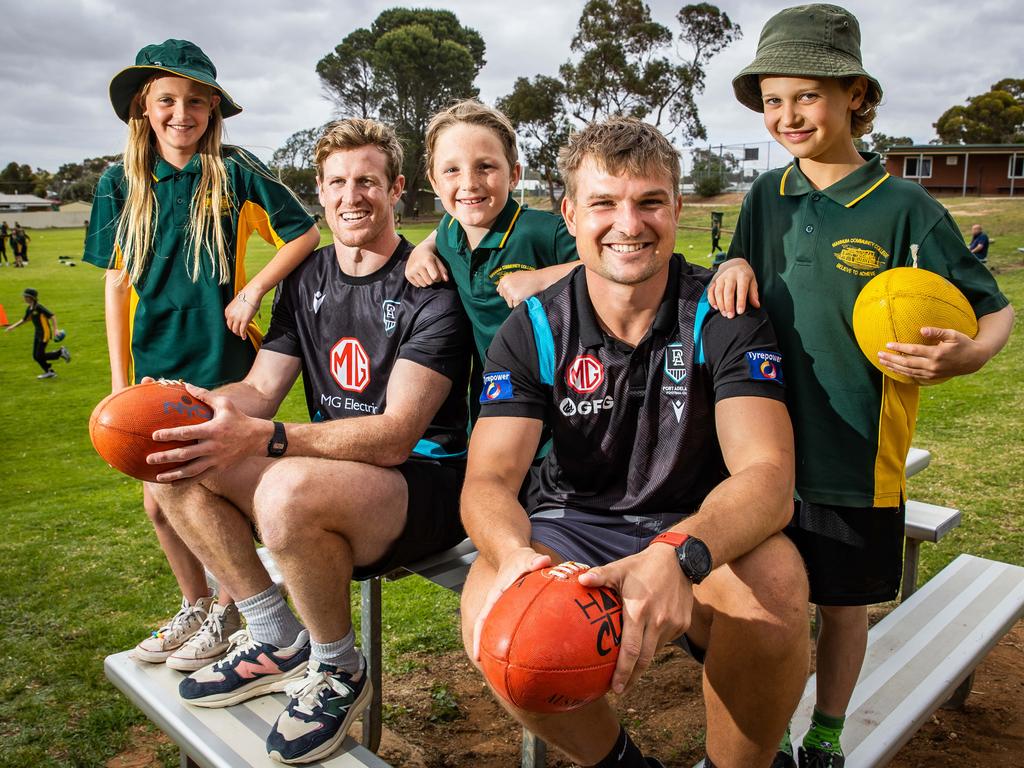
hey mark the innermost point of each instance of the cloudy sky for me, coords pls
(57, 58)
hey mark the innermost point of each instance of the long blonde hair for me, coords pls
(136, 229)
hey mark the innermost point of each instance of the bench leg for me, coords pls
(370, 605)
(535, 751)
(959, 697)
(186, 761)
(911, 553)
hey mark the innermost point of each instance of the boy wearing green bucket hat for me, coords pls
(170, 223)
(810, 236)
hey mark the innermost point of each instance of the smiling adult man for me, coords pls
(371, 484)
(671, 467)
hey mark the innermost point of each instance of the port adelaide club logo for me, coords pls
(350, 365)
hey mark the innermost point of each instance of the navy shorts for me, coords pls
(853, 555)
(601, 539)
(432, 522)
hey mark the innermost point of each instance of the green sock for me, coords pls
(824, 733)
(786, 744)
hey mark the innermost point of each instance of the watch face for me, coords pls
(695, 559)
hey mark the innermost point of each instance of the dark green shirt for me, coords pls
(520, 238)
(40, 317)
(812, 251)
(177, 326)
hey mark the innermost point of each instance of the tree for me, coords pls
(996, 117)
(294, 163)
(537, 110)
(408, 65)
(881, 143)
(77, 181)
(17, 179)
(711, 171)
(623, 68)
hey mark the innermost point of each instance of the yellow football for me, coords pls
(897, 303)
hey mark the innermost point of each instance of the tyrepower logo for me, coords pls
(350, 365)
(584, 374)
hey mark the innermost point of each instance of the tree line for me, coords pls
(410, 63)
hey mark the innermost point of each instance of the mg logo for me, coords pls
(584, 374)
(350, 365)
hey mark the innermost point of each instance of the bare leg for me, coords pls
(319, 530)
(187, 570)
(842, 643)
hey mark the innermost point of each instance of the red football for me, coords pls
(122, 425)
(550, 644)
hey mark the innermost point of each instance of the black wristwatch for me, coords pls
(693, 554)
(278, 443)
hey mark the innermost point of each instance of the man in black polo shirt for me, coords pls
(371, 484)
(671, 467)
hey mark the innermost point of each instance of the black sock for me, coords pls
(625, 754)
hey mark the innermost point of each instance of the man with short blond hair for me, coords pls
(372, 483)
(670, 468)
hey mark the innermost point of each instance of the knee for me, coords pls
(155, 499)
(778, 594)
(281, 509)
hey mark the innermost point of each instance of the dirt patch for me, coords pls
(144, 746)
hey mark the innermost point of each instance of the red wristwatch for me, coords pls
(670, 537)
(693, 554)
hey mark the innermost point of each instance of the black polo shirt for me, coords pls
(633, 430)
(349, 332)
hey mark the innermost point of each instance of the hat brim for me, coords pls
(796, 60)
(127, 82)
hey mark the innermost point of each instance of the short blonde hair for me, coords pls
(356, 132)
(475, 113)
(619, 145)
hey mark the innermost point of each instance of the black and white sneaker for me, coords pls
(324, 704)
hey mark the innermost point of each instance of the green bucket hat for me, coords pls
(806, 41)
(174, 57)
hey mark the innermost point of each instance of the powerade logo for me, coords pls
(765, 366)
(193, 409)
(497, 386)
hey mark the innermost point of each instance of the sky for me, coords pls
(57, 58)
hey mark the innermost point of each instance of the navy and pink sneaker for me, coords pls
(250, 669)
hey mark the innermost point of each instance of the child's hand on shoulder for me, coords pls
(424, 268)
(733, 287)
(517, 287)
(951, 354)
(240, 312)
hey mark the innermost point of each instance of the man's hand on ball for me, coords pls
(226, 439)
(657, 601)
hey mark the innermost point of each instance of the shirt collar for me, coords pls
(665, 320)
(848, 191)
(162, 169)
(498, 234)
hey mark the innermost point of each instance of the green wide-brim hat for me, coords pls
(806, 41)
(171, 57)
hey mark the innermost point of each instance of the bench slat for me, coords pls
(232, 737)
(930, 522)
(920, 652)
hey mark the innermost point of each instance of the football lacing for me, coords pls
(567, 569)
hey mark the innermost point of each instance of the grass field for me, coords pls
(82, 575)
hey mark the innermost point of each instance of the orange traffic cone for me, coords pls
(3, 315)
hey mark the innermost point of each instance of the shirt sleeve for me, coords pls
(943, 251)
(440, 338)
(107, 203)
(45, 312)
(269, 207)
(283, 334)
(743, 356)
(512, 385)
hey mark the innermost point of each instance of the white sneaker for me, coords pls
(47, 375)
(210, 643)
(65, 355)
(172, 635)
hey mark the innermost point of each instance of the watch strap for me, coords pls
(278, 442)
(670, 537)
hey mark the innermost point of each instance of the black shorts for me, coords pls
(601, 539)
(432, 522)
(854, 555)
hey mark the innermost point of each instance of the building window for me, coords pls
(917, 167)
(1017, 166)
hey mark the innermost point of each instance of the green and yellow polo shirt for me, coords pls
(520, 238)
(40, 317)
(176, 326)
(812, 251)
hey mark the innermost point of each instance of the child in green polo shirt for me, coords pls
(170, 224)
(45, 324)
(810, 236)
(498, 252)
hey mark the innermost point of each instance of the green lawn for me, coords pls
(82, 575)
